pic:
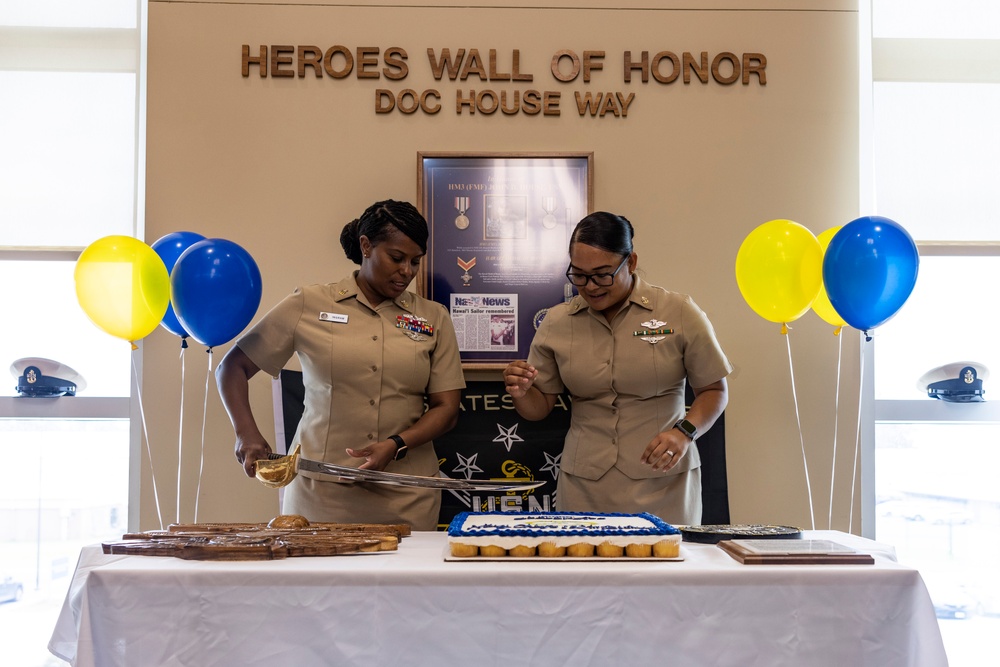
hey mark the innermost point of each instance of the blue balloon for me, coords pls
(169, 248)
(215, 289)
(869, 270)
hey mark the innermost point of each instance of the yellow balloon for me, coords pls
(123, 286)
(779, 270)
(822, 306)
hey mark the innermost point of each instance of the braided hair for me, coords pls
(377, 222)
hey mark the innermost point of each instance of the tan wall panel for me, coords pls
(278, 165)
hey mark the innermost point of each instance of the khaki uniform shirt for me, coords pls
(625, 389)
(365, 378)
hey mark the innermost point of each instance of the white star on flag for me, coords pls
(551, 464)
(467, 465)
(508, 436)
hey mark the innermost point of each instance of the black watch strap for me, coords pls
(400, 447)
(687, 428)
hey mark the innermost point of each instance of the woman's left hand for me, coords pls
(666, 449)
(376, 456)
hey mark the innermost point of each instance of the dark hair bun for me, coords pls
(350, 241)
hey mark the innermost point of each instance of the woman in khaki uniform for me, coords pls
(370, 353)
(624, 349)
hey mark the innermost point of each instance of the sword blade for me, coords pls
(381, 477)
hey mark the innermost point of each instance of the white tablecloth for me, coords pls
(411, 607)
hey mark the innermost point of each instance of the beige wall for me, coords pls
(278, 165)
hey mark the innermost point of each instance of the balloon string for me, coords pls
(204, 418)
(802, 443)
(145, 433)
(857, 435)
(180, 433)
(836, 421)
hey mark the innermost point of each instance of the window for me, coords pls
(70, 174)
(934, 98)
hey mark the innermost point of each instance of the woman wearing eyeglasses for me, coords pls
(624, 349)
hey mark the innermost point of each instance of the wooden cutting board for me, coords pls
(258, 541)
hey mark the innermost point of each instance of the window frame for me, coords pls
(99, 50)
(913, 60)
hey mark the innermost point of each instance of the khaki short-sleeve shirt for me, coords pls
(365, 377)
(626, 385)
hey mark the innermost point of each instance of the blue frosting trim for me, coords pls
(660, 527)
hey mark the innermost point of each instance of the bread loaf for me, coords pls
(288, 521)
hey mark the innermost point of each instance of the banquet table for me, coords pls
(412, 607)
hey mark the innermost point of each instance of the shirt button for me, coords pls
(375, 337)
(374, 368)
(371, 436)
(371, 402)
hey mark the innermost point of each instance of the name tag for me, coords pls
(339, 318)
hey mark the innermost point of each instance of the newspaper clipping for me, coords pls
(485, 322)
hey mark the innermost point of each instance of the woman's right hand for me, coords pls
(233, 377)
(518, 378)
(250, 450)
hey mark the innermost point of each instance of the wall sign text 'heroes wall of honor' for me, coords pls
(371, 62)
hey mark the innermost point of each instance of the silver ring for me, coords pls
(670, 453)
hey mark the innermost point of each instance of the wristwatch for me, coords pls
(687, 428)
(400, 447)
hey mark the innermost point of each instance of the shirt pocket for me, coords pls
(648, 366)
(408, 359)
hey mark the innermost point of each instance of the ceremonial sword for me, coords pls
(278, 470)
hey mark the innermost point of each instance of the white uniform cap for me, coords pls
(959, 381)
(49, 369)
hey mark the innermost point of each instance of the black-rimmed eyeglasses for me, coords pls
(600, 279)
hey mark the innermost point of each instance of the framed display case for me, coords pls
(499, 243)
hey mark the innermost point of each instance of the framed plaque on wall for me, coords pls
(499, 243)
